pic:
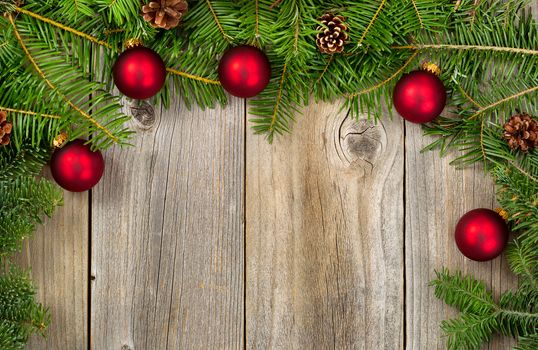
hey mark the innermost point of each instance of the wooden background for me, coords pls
(204, 236)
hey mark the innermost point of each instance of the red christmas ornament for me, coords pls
(77, 168)
(420, 96)
(244, 71)
(139, 73)
(481, 234)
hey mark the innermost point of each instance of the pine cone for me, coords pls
(333, 34)
(5, 129)
(521, 131)
(165, 13)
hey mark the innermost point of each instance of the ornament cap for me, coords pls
(59, 140)
(134, 42)
(502, 213)
(432, 68)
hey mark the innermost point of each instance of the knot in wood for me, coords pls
(143, 114)
(360, 143)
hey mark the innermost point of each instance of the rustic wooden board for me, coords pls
(167, 235)
(58, 258)
(437, 195)
(324, 235)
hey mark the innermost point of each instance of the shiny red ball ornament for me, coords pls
(77, 168)
(481, 234)
(244, 71)
(419, 96)
(139, 73)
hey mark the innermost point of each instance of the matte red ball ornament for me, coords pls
(77, 168)
(481, 234)
(244, 71)
(420, 96)
(139, 73)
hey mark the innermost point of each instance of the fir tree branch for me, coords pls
(529, 342)
(466, 293)
(482, 148)
(469, 331)
(384, 82)
(53, 87)
(468, 97)
(221, 29)
(20, 314)
(106, 44)
(473, 12)
(193, 77)
(12, 110)
(23, 203)
(506, 99)
(275, 4)
(418, 13)
(523, 171)
(257, 27)
(524, 262)
(277, 103)
(514, 50)
(371, 23)
(329, 61)
(64, 27)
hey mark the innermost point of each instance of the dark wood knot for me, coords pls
(360, 143)
(143, 114)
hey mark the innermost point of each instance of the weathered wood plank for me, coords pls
(58, 258)
(437, 195)
(324, 253)
(167, 235)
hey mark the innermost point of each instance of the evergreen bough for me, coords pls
(56, 57)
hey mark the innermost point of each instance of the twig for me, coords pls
(371, 22)
(278, 99)
(13, 110)
(221, 29)
(521, 93)
(467, 47)
(275, 4)
(409, 60)
(194, 77)
(418, 13)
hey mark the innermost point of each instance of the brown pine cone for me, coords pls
(165, 13)
(5, 129)
(521, 131)
(333, 34)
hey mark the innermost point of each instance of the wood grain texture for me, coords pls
(437, 195)
(167, 235)
(324, 235)
(58, 257)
